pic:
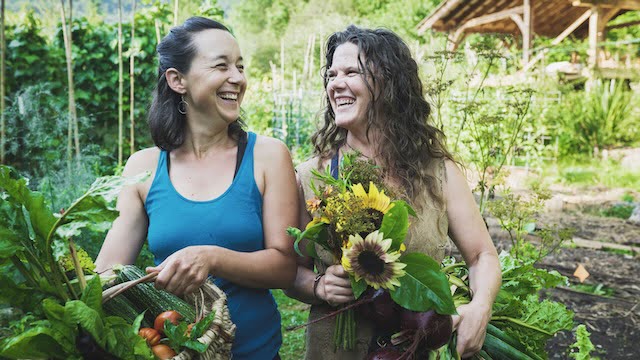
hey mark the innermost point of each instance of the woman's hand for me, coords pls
(335, 286)
(471, 325)
(185, 270)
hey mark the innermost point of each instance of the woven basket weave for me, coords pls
(218, 338)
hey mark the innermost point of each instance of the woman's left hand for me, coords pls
(184, 271)
(471, 325)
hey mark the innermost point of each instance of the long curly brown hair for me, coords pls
(399, 113)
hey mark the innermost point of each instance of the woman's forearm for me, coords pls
(268, 268)
(485, 278)
(303, 286)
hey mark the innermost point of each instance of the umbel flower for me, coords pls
(370, 260)
(375, 199)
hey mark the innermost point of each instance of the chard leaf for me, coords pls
(87, 318)
(424, 286)
(17, 293)
(95, 210)
(39, 213)
(36, 343)
(195, 345)
(123, 342)
(395, 224)
(92, 294)
(9, 243)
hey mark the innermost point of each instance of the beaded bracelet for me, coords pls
(316, 281)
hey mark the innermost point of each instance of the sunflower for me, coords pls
(375, 199)
(368, 259)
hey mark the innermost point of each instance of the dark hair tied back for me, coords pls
(177, 50)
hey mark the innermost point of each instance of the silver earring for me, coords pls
(182, 106)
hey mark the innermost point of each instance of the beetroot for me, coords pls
(382, 310)
(432, 330)
(385, 353)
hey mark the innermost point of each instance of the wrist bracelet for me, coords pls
(316, 281)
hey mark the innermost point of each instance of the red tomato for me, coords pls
(151, 335)
(170, 315)
(163, 352)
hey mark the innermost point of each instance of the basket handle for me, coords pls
(116, 290)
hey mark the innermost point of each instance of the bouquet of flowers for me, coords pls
(357, 220)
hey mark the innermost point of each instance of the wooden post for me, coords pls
(527, 35)
(132, 54)
(120, 84)
(594, 36)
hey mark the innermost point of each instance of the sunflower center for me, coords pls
(371, 262)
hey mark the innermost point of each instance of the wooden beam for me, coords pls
(527, 34)
(563, 35)
(486, 19)
(518, 20)
(622, 4)
(560, 37)
(443, 10)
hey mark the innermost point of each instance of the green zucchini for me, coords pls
(145, 296)
(499, 350)
(120, 306)
(510, 340)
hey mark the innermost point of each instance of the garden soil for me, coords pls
(612, 312)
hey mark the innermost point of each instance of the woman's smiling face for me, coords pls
(347, 88)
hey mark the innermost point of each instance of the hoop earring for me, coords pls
(182, 106)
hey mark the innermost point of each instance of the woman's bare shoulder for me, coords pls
(144, 160)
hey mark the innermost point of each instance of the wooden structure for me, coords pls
(525, 18)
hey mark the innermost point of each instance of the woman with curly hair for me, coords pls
(376, 107)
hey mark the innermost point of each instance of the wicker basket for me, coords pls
(218, 338)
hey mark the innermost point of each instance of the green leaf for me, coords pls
(36, 343)
(16, 187)
(201, 326)
(89, 319)
(64, 331)
(92, 294)
(316, 234)
(424, 286)
(358, 286)
(529, 227)
(195, 345)
(175, 333)
(395, 224)
(9, 243)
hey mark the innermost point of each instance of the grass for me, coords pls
(293, 312)
(587, 172)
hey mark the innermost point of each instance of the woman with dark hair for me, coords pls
(375, 106)
(219, 200)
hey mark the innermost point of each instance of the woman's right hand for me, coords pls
(335, 287)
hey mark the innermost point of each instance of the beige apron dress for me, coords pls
(427, 234)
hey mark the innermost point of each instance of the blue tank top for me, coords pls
(232, 220)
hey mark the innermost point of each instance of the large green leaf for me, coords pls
(395, 224)
(36, 343)
(42, 219)
(424, 286)
(92, 294)
(95, 210)
(9, 243)
(64, 331)
(87, 318)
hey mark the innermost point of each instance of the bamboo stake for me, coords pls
(2, 57)
(158, 38)
(132, 135)
(175, 13)
(120, 84)
(72, 125)
(282, 64)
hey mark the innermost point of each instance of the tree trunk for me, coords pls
(132, 53)
(175, 13)
(120, 84)
(72, 128)
(2, 57)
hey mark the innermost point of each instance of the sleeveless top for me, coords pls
(232, 220)
(428, 233)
